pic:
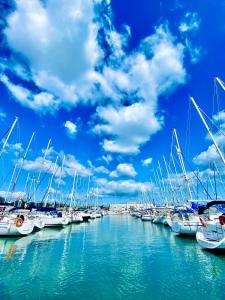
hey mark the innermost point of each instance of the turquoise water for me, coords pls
(116, 257)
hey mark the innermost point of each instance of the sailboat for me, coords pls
(13, 224)
(212, 233)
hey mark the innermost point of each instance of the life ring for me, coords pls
(19, 222)
(203, 222)
(222, 220)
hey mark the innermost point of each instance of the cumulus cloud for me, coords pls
(71, 165)
(99, 170)
(41, 102)
(71, 129)
(69, 65)
(210, 154)
(147, 162)
(59, 45)
(155, 68)
(124, 170)
(122, 187)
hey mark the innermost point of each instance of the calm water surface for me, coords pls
(116, 257)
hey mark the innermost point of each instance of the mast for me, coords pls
(163, 185)
(72, 191)
(23, 159)
(179, 153)
(177, 177)
(221, 83)
(44, 157)
(208, 129)
(168, 174)
(60, 178)
(8, 136)
(88, 188)
(51, 179)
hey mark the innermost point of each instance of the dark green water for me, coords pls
(116, 257)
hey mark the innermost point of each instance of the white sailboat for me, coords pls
(212, 233)
(15, 226)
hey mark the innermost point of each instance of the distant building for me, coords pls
(128, 206)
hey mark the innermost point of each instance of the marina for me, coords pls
(119, 256)
(112, 150)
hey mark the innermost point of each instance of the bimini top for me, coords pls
(183, 211)
(216, 202)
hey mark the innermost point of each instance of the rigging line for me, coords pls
(40, 181)
(218, 128)
(218, 99)
(188, 128)
(2, 137)
(197, 177)
(214, 96)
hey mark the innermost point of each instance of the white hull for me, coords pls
(185, 227)
(209, 244)
(55, 221)
(146, 218)
(8, 228)
(158, 220)
(38, 224)
(77, 218)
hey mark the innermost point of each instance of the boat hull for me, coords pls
(185, 227)
(209, 244)
(10, 229)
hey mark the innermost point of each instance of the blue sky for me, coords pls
(107, 82)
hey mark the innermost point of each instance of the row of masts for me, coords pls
(171, 189)
(174, 192)
(32, 183)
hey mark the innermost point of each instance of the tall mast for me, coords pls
(179, 153)
(221, 83)
(88, 188)
(8, 136)
(23, 159)
(159, 187)
(72, 191)
(60, 178)
(177, 177)
(168, 174)
(208, 129)
(51, 179)
(163, 185)
(44, 157)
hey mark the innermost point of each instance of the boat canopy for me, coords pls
(216, 202)
(183, 211)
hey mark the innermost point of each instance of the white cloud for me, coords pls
(191, 22)
(71, 165)
(12, 195)
(130, 126)
(154, 69)
(124, 170)
(122, 187)
(147, 162)
(220, 117)
(188, 27)
(14, 149)
(106, 158)
(71, 129)
(210, 154)
(99, 169)
(60, 45)
(41, 102)
(2, 115)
